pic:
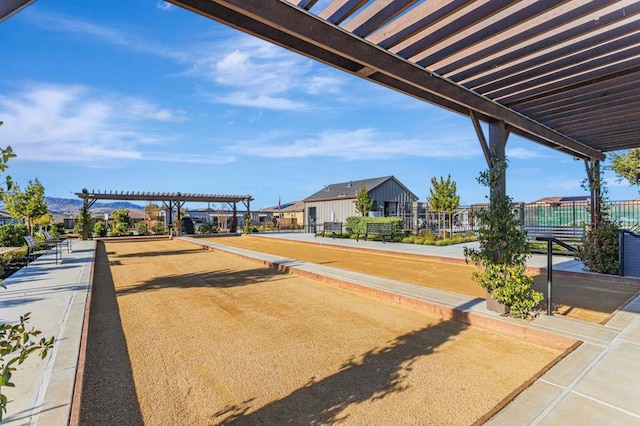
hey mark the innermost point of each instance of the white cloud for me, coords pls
(142, 109)
(523, 153)
(246, 71)
(89, 30)
(163, 5)
(362, 144)
(323, 84)
(260, 101)
(75, 124)
(261, 75)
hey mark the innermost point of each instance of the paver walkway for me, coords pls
(56, 296)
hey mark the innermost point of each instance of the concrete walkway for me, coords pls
(597, 383)
(56, 296)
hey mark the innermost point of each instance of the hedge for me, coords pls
(358, 224)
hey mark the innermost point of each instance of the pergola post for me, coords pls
(85, 214)
(498, 135)
(593, 177)
(494, 151)
(234, 219)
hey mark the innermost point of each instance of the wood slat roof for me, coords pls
(562, 73)
(161, 196)
(10, 7)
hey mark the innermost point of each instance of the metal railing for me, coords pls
(550, 242)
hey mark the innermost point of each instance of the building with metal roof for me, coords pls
(336, 202)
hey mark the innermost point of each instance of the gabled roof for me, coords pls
(349, 190)
(293, 206)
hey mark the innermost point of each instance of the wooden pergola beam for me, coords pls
(286, 25)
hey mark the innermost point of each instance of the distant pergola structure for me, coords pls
(170, 200)
(565, 74)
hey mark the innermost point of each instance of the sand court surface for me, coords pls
(181, 335)
(586, 297)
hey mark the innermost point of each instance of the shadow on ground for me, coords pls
(225, 278)
(374, 375)
(108, 391)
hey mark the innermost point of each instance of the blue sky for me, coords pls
(145, 96)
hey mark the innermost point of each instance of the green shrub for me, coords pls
(119, 229)
(81, 219)
(12, 235)
(100, 229)
(158, 228)
(208, 228)
(358, 225)
(248, 224)
(599, 251)
(142, 229)
(502, 256)
(56, 229)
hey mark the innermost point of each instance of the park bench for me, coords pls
(571, 235)
(382, 229)
(36, 249)
(563, 233)
(60, 241)
(333, 227)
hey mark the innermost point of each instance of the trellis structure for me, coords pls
(565, 74)
(170, 200)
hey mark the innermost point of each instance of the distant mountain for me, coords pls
(64, 206)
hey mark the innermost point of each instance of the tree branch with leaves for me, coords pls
(16, 340)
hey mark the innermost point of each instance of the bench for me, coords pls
(60, 241)
(332, 227)
(34, 249)
(566, 234)
(382, 229)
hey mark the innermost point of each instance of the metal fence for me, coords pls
(625, 214)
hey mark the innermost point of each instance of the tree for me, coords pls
(599, 250)
(443, 198)
(502, 256)
(151, 213)
(363, 201)
(83, 221)
(119, 222)
(627, 165)
(28, 205)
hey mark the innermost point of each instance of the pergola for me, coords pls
(565, 74)
(170, 200)
(11, 7)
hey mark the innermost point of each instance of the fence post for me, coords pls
(621, 253)
(549, 275)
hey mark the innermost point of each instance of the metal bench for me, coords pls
(563, 233)
(59, 241)
(381, 229)
(36, 249)
(567, 234)
(332, 227)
